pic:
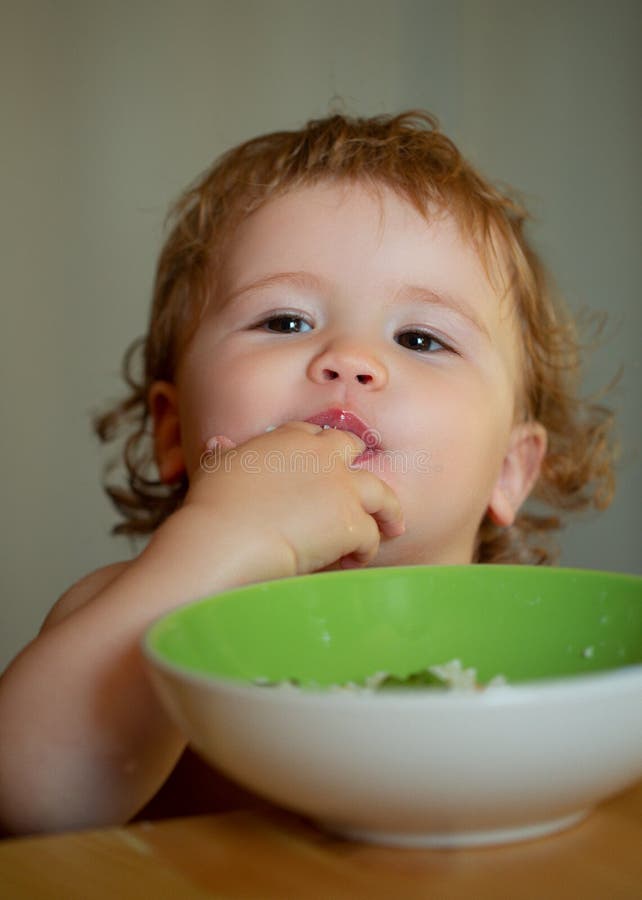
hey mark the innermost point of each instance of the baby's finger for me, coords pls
(296, 425)
(348, 444)
(366, 550)
(382, 503)
(212, 455)
(219, 442)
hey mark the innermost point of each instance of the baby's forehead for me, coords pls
(372, 208)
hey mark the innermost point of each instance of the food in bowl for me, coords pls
(447, 676)
(416, 767)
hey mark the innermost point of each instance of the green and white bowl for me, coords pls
(427, 767)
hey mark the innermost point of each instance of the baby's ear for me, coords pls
(519, 472)
(168, 450)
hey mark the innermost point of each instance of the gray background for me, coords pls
(109, 109)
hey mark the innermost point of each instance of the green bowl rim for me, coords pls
(524, 691)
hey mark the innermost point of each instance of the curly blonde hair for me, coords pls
(410, 155)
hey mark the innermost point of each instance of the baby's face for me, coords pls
(335, 300)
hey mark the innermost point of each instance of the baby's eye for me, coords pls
(421, 341)
(285, 323)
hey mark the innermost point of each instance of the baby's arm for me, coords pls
(84, 739)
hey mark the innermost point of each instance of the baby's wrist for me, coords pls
(209, 555)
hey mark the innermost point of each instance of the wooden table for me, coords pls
(272, 855)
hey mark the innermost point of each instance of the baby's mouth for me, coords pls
(344, 420)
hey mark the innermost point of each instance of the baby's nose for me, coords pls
(351, 364)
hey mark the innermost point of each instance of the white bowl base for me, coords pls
(456, 839)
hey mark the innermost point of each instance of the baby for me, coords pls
(353, 359)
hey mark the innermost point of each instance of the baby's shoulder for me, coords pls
(83, 591)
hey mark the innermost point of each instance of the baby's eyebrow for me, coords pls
(406, 293)
(410, 292)
(305, 280)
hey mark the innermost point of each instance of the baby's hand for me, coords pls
(292, 495)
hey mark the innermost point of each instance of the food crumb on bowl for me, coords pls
(446, 676)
